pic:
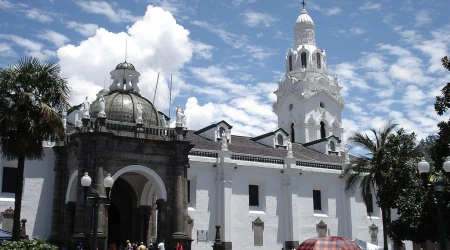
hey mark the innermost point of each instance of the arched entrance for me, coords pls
(121, 213)
(132, 214)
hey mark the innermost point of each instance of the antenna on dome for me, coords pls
(154, 96)
(303, 3)
(170, 94)
(104, 83)
(126, 47)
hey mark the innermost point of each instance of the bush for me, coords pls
(33, 244)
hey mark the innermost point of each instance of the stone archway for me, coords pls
(135, 214)
(151, 175)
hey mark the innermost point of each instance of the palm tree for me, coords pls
(31, 96)
(368, 170)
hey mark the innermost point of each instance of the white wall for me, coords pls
(37, 201)
(344, 214)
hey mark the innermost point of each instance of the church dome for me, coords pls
(125, 65)
(304, 18)
(121, 106)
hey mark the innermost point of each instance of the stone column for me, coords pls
(161, 231)
(58, 201)
(153, 236)
(224, 193)
(290, 219)
(147, 222)
(178, 205)
(101, 189)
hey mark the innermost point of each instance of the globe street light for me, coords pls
(438, 185)
(86, 183)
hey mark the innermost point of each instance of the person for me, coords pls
(150, 246)
(128, 246)
(80, 247)
(179, 246)
(112, 246)
(135, 246)
(142, 246)
(161, 246)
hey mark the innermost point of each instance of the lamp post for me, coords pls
(438, 187)
(86, 183)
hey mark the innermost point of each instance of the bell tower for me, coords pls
(309, 104)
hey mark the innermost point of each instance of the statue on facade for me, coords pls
(279, 82)
(85, 107)
(183, 119)
(102, 113)
(178, 112)
(139, 113)
(303, 70)
(289, 148)
(224, 141)
(335, 80)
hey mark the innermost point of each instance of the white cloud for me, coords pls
(202, 50)
(239, 2)
(333, 11)
(370, 6)
(422, 18)
(357, 30)
(85, 29)
(54, 37)
(116, 15)
(241, 42)
(39, 15)
(156, 43)
(5, 4)
(31, 47)
(413, 96)
(6, 50)
(253, 19)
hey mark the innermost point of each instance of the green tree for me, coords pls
(387, 155)
(441, 148)
(32, 93)
(416, 205)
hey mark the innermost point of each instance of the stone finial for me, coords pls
(23, 230)
(321, 229)
(217, 238)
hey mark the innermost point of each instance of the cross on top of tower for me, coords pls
(303, 3)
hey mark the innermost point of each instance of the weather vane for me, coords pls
(303, 3)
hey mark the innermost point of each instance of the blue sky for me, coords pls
(225, 56)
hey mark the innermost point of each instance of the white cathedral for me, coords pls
(271, 191)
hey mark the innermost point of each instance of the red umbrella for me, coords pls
(328, 243)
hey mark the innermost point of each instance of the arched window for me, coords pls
(292, 133)
(322, 130)
(290, 62)
(318, 60)
(304, 60)
(332, 146)
(280, 139)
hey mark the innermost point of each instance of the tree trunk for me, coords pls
(384, 217)
(18, 198)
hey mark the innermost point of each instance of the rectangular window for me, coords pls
(317, 200)
(369, 204)
(9, 180)
(189, 191)
(253, 195)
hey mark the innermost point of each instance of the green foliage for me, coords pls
(32, 94)
(416, 204)
(33, 244)
(390, 157)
